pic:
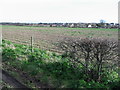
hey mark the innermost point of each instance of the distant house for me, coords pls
(117, 25)
(72, 25)
(65, 24)
(111, 25)
(90, 26)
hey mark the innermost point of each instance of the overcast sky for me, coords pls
(58, 11)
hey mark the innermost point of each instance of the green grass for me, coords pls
(49, 67)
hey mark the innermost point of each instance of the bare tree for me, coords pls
(95, 54)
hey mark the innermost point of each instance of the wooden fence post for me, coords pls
(32, 44)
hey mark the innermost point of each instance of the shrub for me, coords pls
(95, 55)
(8, 54)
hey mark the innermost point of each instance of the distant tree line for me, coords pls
(102, 24)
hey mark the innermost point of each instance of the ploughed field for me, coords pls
(47, 37)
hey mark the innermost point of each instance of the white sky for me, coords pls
(58, 10)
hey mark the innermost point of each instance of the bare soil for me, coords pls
(46, 37)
